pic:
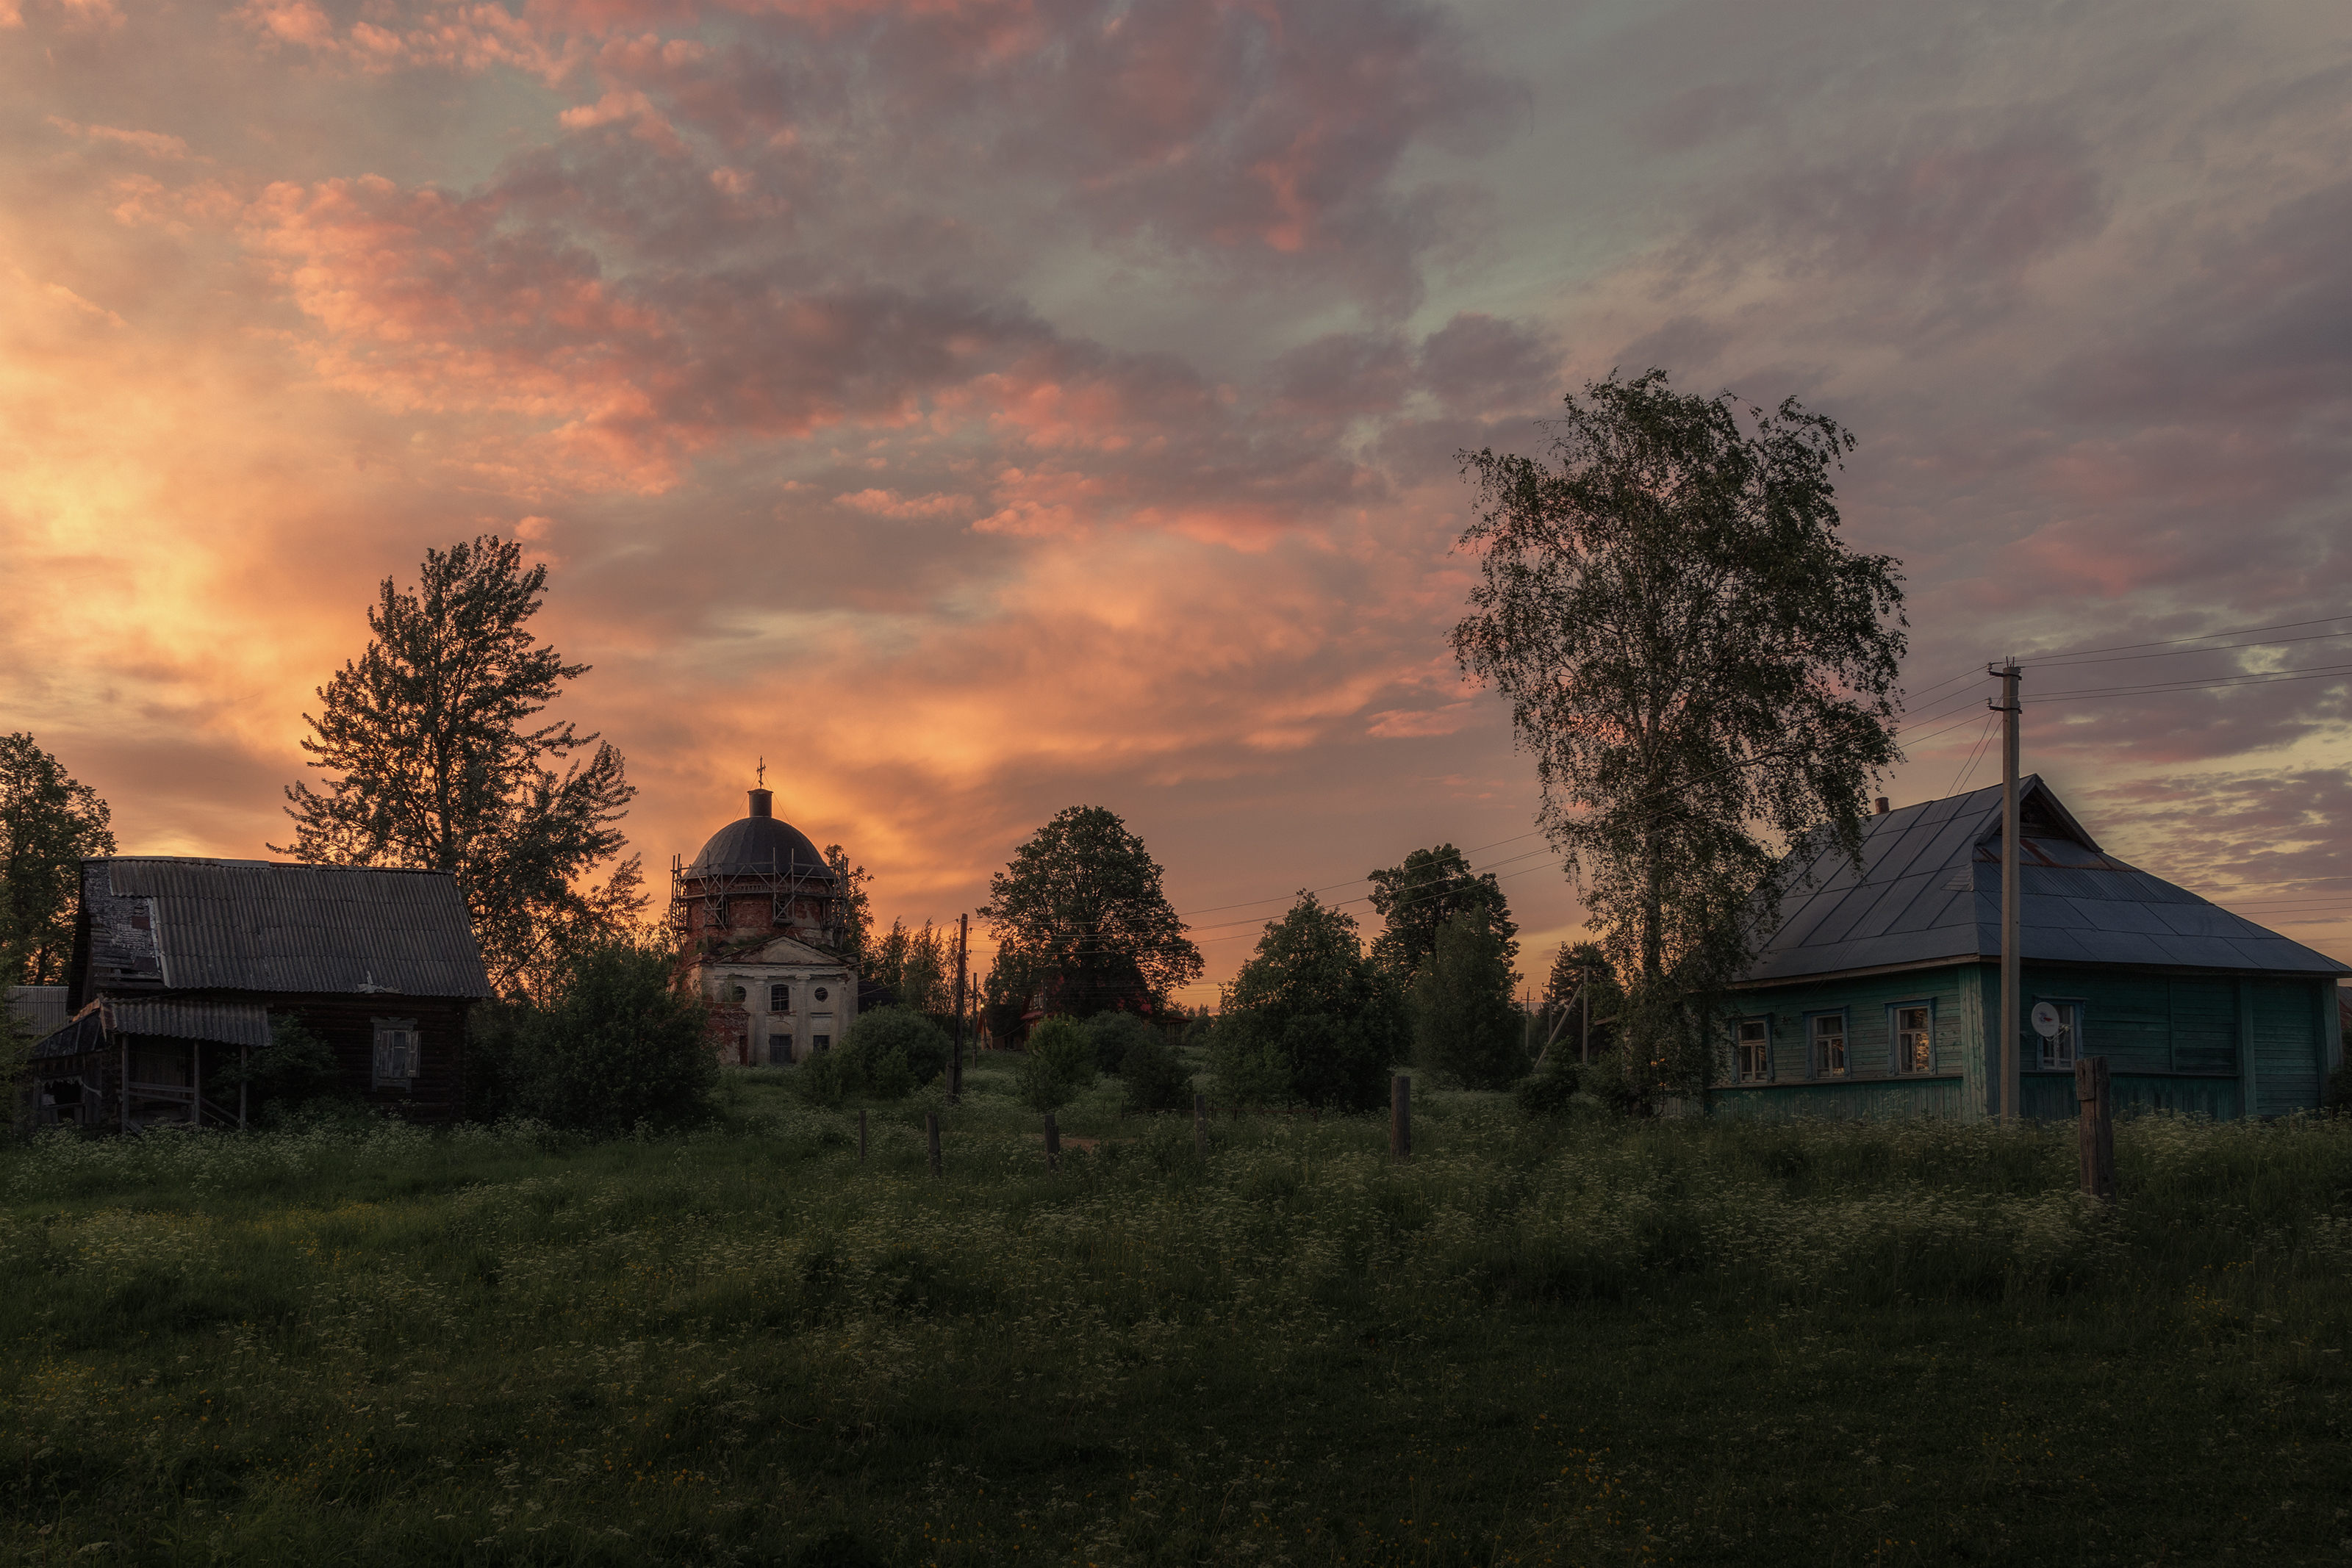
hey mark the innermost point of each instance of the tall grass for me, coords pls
(745, 1345)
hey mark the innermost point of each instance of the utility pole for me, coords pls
(1584, 999)
(955, 1068)
(2011, 978)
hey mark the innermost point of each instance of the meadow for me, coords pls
(1570, 1340)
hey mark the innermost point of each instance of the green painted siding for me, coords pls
(2286, 1053)
(2172, 1042)
(2204, 1024)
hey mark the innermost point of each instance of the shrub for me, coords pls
(893, 1051)
(618, 1045)
(295, 1071)
(823, 1080)
(1246, 1062)
(1548, 1091)
(1156, 1080)
(1060, 1064)
(1112, 1035)
(1629, 1093)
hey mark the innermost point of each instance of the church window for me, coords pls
(780, 998)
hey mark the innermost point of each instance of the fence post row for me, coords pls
(932, 1131)
(2096, 1133)
(1401, 1117)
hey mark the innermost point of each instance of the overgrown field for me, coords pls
(1567, 1342)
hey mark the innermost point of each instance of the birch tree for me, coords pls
(1701, 667)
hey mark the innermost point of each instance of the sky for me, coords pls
(973, 408)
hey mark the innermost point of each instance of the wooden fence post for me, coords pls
(1199, 1126)
(861, 1137)
(2098, 1132)
(1053, 1142)
(1401, 1117)
(931, 1130)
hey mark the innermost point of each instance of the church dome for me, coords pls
(761, 842)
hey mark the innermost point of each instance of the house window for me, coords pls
(780, 1051)
(1753, 1057)
(2057, 1053)
(1829, 1045)
(396, 1052)
(1914, 1037)
(780, 998)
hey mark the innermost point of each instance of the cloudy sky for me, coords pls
(977, 407)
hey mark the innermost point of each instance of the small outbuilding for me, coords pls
(181, 966)
(1876, 993)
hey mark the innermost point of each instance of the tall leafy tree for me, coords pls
(1701, 666)
(1420, 896)
(1310, 1016)
(1466, 1030)
(49, 823)
(1080, 909)
(436, 758)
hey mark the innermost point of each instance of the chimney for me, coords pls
(763, 803)
(1880, 804)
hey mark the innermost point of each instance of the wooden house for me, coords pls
(181, 966)
(1875, 993)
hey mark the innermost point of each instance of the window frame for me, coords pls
(780, 996)
(2074, 1007)
(785, 1041)
(1813, 1063)
(1740, 1044)
(1895, 1011)
(413, 1045)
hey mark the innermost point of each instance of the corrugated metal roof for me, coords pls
(252, 925)
(98, 1025)
(1930, 890)
(43, 1007)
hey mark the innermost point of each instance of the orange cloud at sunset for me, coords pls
(977, 409)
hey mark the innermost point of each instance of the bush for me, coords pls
(1060, 1064)
(1548, 1091)
(1113, 1035)
(619, 1045)
(1633, 1093)
(893, 1051)
(295, 1071)
(823, 1080)
(1156, 1079)
(1246, 1063)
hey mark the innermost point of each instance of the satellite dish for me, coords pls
(2046, 1021)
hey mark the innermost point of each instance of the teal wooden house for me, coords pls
(1877, 995)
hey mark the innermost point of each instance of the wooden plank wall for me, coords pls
(348, 1026)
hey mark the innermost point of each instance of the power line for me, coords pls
(2201, 637)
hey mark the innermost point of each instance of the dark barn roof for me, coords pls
(1930, 892)
(107, 1019)
(179, 924)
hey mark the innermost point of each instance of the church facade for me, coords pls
(760, 919)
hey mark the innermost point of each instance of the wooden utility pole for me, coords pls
(2097, 1133)
(955, 1066)
(1584, 999)
(2011, 980)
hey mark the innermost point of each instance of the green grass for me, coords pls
(1577, 1342)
